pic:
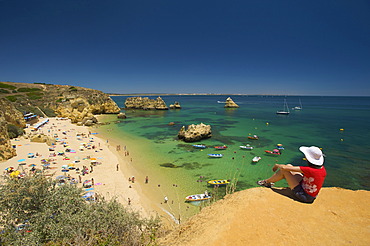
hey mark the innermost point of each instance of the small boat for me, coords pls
(256, 159)
(273, 152)
(216, 155)
(221, 147)
(285, 111)
(197, 197)
(279, 147)
(199, 146)
(298, 107)
(218, 182)
(254, 137)
(246, 147)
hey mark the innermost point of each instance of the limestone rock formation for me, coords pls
(176, 105)
(42, 138)
(81, 109)
(230, 103)
(8, 115)
(76, 103)
(121, 116)
(195, 132)
(145, 103)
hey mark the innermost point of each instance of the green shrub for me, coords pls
(12, 98)
(72, 88)
(25, 89)
(6, 86)
(55, 214)
(49, 112)
(35, 95)
(14, 131)
(4, 91)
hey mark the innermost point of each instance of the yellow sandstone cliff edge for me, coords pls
(262, 216)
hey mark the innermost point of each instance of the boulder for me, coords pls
(89, 120)
(41, 138)
(195, 132)
(176, 105)
(230, 103)
(121, 116)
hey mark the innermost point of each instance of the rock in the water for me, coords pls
(195, 132)
(145, 103)
(176, 105)
(230, 103)
(121, 116)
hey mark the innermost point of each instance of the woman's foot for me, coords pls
(265, 184)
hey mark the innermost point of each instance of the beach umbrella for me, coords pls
(61, 177)
(21, 160)
(65, 166)
(15, 174)
(88, 194)
(46, 165)
(32, 165)
(9, 168)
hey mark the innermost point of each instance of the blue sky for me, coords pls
(156, 46)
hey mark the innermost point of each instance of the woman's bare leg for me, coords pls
(293, 178)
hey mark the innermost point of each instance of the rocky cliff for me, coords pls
(9, 115)
(76, 103)
(261, 216)
(145, 103)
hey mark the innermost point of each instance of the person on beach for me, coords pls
(304, 181)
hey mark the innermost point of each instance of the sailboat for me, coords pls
(285, 111)
(298, 107)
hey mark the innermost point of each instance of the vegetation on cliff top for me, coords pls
(35, 210)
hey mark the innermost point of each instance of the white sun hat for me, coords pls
(313, 154)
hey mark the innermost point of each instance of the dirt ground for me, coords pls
(262, 216)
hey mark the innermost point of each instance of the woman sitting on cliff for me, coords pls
(304, 181)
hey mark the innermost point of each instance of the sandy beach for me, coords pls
(77, 147)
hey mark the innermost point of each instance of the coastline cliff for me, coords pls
(46, 100)
(261, 216)
(10, 118)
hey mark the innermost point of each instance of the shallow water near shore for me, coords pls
(339, 125)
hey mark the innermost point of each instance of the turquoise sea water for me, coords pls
(318, 123)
